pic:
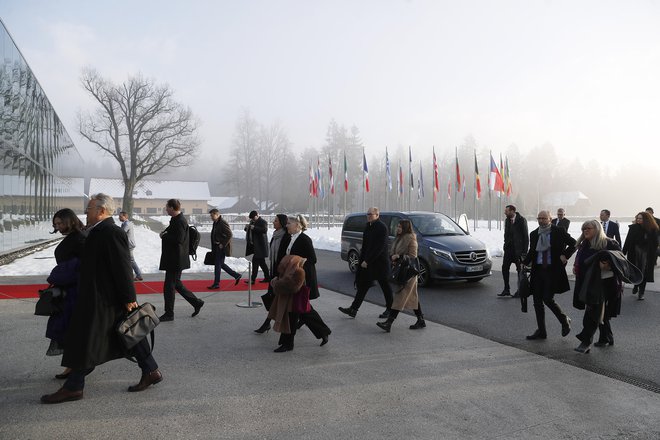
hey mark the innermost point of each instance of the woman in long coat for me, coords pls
(65, 275)
(640, 248)
(296, 242)
(289, 281)
(406, 297)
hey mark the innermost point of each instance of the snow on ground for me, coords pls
(147, 252)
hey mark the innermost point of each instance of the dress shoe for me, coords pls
(324, 340)
(640, 297)
(62, 395)
(386, 325)
(350, 311)
(583, 348)
(603, 343)
(139, 278)
(264, 327)
(165, 317)
(237, 279)
(249, 282)
(385, 314)
(538, 334)
(213, 287)
(147, 379)
(505, 292)
(282, 349)
(566, 326)
(198, 307)
(63, 375)
(419, 324)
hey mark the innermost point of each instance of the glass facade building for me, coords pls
(34, 151)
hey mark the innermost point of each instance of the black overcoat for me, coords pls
(175, 243)
(303, 247)
(375, 252)
(640, 248)
(257, 239)
(516, 238)
(221, 234)
(561, 243)
(106, 286)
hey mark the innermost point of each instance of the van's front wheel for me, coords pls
(353, 261)
(424, 277)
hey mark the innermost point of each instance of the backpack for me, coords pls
(193, 241)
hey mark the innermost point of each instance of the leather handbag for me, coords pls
(301, 301)
(209, 259)
(51, 301)
(137, 325)
(403, 270)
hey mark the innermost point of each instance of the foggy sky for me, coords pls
(582, 76)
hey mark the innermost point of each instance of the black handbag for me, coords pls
(524, 288)
(137, 325)
(51, 301)
(404, 269)
(209, 259)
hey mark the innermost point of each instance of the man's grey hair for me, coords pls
(104, 201)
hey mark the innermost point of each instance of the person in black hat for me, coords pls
(256, 235)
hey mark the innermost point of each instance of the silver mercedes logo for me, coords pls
(473, 256)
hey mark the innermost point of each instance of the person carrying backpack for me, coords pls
(174, 259)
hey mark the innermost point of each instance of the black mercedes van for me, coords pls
(446, 252)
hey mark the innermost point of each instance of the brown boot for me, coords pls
(147, 379)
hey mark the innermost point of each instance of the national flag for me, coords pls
(436, 183)
(449, 189)
(464, 187)
(508, 185)
(332, 177)
(345, 173)
(400, 178)
(477, 179)
(495, 178)
(366, 172)
(312, 186)
(420, 183)
(319, 185)
(387, 170)
(412, 179)
(458, 173)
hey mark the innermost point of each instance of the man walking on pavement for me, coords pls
(611, 228)
(550, 248)
(374, 264)
(127, 226)
(516, 242)
(561, 220)
(221, 248)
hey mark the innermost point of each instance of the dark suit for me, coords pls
(174, 259)
(221, 248)
(613, 231)
(375, 253)
(257, 244)
(516, 242)
(563, 223)
(303, 247)
(549, 278)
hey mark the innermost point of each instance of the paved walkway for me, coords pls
(222, 381)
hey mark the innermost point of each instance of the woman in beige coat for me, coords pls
(406, 296)
(291, 277)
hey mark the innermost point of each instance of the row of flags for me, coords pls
(499, 178)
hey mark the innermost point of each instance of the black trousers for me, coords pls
(142, 353)
(363, 288)
(256, 264)
(543, 296)
(312, 320)
(173, 283)
(509, 259)
(220, 265)
(591, 321)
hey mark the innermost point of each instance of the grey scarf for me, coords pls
(544, 238)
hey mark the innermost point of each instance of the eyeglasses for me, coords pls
(370, 213)
(542, 218)
(586, 228)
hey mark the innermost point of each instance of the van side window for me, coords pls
(385, 219)
(357, 223)
(393, 224)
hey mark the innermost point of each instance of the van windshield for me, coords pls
(435, 224)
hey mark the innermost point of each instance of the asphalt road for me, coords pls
(476, 309)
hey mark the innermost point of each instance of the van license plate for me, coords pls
(474, 268)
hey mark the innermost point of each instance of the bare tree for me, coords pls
(274, 149)
(140, 125)
(242, 170)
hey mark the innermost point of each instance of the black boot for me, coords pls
(420, 321)
(386, 325)
(264, 327)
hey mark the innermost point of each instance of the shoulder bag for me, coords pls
(403, 270)
(209, 259)
(51, 301)
(137, 325)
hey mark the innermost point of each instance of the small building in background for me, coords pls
(575, 203)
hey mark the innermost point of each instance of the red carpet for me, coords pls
(13, 291)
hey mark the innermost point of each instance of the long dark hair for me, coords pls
(406, 227)
(648, 222)
(69, 219)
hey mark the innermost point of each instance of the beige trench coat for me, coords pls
(406, 296)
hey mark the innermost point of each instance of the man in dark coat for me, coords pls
(221, 248)
(549, 250)
(374, 264)
(174, 258)
(107, 292)
(561, 220)
(516, 242)
(611, 228)
(256, 236)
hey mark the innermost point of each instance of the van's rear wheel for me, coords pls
(353, 261)
(424, 277)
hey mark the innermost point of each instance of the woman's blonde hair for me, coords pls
(600, 239)
(300, 219)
